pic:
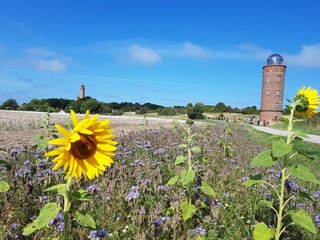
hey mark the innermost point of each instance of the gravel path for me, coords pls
(312, 138)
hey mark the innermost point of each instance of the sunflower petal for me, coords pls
(58, 141)
(64, 132)
(74, 117)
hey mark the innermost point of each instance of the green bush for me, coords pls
(196, 112)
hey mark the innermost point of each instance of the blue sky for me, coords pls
(163, 52)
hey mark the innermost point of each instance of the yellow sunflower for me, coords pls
(87, 149)
(308, 102)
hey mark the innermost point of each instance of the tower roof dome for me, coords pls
(275, 59)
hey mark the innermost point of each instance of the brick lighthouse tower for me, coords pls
(272, 89)
(82, 92)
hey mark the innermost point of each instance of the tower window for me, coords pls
(278, 93)
(267, 93)
(278, 79)
(268, 79)
(276, 106)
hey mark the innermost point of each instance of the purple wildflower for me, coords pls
(316, 194)
(93, 188)
(97, 234)
(317, 219)
(133, 194)
(201, 231)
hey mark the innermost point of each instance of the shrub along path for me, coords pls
(312, 138)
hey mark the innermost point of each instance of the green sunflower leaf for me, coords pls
(196, 149)
(81, 195)
(47, 213)
(304, 173)
(207, 189)
(179, 160)
(266, 203)
(303, 219)
(4, 186)
(301, 134)
(187, 177)
(253, 180)
(263, 159)
(172, 181)
(85, 220)
(187, 210)
(262, 232)
(56, 187)
(279, 149)
(182, 145)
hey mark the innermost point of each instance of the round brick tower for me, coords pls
(82, 92)
(272, 89)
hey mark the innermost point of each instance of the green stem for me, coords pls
(281, 205)
(290, 125)
(66, 208)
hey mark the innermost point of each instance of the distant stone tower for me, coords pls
(82, 92)
(272, 89)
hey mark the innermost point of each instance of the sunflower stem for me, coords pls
(290, 124)
(66, 208)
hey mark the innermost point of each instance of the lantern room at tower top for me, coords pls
(275, 59)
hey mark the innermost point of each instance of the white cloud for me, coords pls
(40, 59)
(254, 52)
(52, 65)
(308, 57)
(40, 52)
(192, 50)
(143, 55)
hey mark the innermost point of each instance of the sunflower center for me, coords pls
(84, 147)
(303, 104)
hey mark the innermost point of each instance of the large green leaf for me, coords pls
(205, 188)
(55, 187)
(303, 219)
(182, 145)
(262, 232)
(179, 160)
(196, 149)
(187, 177)
(301, 134)
(263, 159)
(81, 195)
(266, 203)
(187, 210)
(4, 186)
(253, 180)
(273, 137)
(304, 173)
(305, 154)
(85, 220)
(47, 213)
(172, 181)
(279, 148)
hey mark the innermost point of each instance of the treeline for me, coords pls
(114, 108)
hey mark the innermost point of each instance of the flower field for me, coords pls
(133, 200)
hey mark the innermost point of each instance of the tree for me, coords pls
(196, 112)
(74, 105)
(221, 107)
(142, 110)
(92, 104)
(10, 104)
